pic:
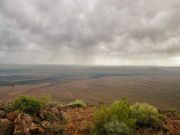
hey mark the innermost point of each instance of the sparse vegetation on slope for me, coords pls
(121, 118)
(26, 104)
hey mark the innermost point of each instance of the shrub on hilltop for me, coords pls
(26, 104)
(122, 118)
(113, 120)
(146, 116)
(77, 103)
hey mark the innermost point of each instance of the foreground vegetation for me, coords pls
(26, 104)
(123, 118)
(29, 115)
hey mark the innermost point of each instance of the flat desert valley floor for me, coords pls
(158, 86)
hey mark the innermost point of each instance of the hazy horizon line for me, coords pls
(88, 65)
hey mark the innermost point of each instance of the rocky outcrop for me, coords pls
(11, 116)
(50, 121)
(51, 113)
(27, 125)
(6, 127)
(23, 124)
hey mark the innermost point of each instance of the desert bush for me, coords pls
(117, 128)
(146, 116)
(114, 119)
(77, 103)
(122, 118)
(26, 104)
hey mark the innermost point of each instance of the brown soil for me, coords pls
(79, 120)
(173, 122)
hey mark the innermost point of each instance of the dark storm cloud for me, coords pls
(89, 32)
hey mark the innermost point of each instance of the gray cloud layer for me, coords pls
(90, 31)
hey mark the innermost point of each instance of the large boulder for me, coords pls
(23, 124)
(6, 127)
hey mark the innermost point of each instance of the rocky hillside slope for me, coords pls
(72, 119)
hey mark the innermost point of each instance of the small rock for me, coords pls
(41, 131)
(23, 124)
(45, 124)
(11, 116)
(6, 127)
(2, 114)
(36, 119)
(34, 127)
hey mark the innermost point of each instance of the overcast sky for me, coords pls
(90, 32)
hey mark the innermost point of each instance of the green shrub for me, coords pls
(118, 114)
(77, 103)
(116, 128)
(26, 104)
(122, 118)
(146, 116)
